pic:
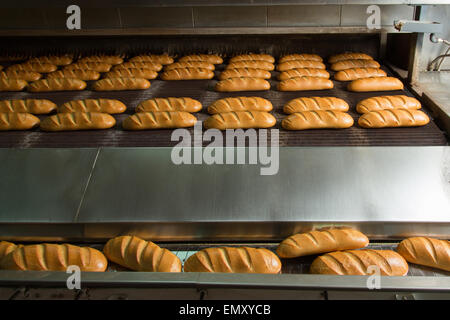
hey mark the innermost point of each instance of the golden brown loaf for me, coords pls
(155, 58)
(240, 119)
(303, 72)
(357, 262)
(387, 102)
(357, 63)
(233, 260)
(349, 56)
(314, 242)
(300, 56)
(210, 58)
(169, 104)
(21, 74)
(78, 121)
(240, 104)
(296, 64)
(75, 74)
(159, 120)
(8, 84)
(139, 65)
(187, 74)
(253, 56)
(57, 84)
(101, 58)
(6, 247)
(254, 64)
(320, 119)
(305, 83)
(375, 84)
(93, 105)
(393, 118)
(315, 103)
(56, 60)
(95, 66)
(245, 72)
(242, 84)
(34, 66)
(190, 64)
(34, 106)
(54, 257)
(132, 73)
(140, 255)
(358, 73)
(426, 251)
(117, 84)
(17, 121)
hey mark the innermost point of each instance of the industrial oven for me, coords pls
(87, 187)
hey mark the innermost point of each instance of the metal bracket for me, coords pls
(418, 26)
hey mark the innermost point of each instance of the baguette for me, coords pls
(356, 63)
(375, 84)
(56, 84)
(8, 84)
(387, 102)
(187, 74)
(21, 74)
(56, 60)
(118, 84)
(358, 73)
(242, 84)
(357, 262)
(296, 64)
(159, 120)
(132, 73)
(349, 56)
(6, 247)
(210, 58)
(54, 257)
(34, 66)
(75, 73)
(240, 119)
(302, 56)
(320, 119)
(426, 251)
(17, 121)
(160, 59)
(254, 64)
(169, 104)
(254, 57)
(101, 58)
(305, 83)
(233, 260)
(393, 118)
(245, 72)
(190, 64)
(303, 72)
(240, 104)
(34, 106)
(139, 65)
(140, 255)
(94, 66)
(78, 121)
(314, 242)
(93, 105)
(315, 103)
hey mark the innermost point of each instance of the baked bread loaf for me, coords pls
(240, 120)
(117, 84)
(21, 74)
(54, 257)
(190, 64)
(375, 84)
(140, 255)
(169, 104)
(240, 104)
(139, 65)
(305, 83)
(110, 106)
(34, 106)
(75, 74)
(296, 64)
(349, 56)
(8, 84)
(426, 251)
(155, 58)
(210, 58)
(253, 56)
(300, 56)
(314, 242)
(132, 73)
(319, 119)
(303, 72)
(315, 103)
(244, 72)
(242, 84)
(254, 64)
(357, 63)
(357, 262)
(187, 74)
(57, 84)
(17, 121)
(101, 58)
(62, 60)
(159, 120)
(34, 66)
(358, 73)
(233, 260)
(6, 247)
(393, 118)
(95, 66)
(387, 102)
(78, 121)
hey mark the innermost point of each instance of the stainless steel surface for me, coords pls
(418, 26)
(415, 49)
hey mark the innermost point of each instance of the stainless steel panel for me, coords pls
(356, 15)
(254, 16)
(156, 17)
(91, 18)
(26, 18)
(283, 16)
